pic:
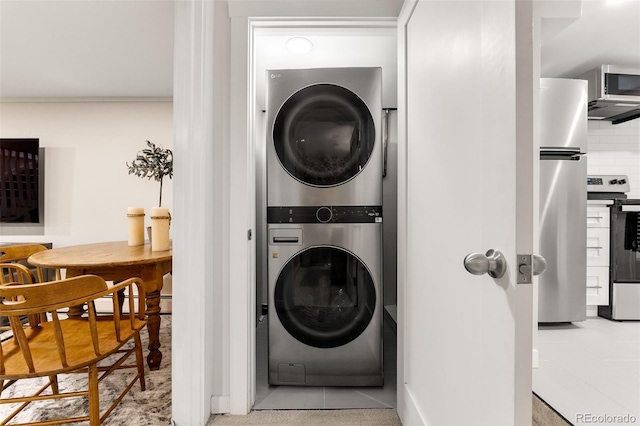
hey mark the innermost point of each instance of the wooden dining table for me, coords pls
(117, 261)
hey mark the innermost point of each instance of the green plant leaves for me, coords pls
(153, 162)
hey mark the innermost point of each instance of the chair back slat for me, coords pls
(62, 351)
(93, 329)
(23, 343)
(3, 370)
(116, 314)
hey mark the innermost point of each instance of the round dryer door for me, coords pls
(325, 297)
(324, 135)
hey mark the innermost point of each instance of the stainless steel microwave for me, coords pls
(613, 93)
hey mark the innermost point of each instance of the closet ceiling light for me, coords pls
(299, 45)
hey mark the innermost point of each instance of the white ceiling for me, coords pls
(113, 48)
(86, 48)
(332, 47)
(607, 33)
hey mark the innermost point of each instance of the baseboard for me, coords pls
(220, 405)
(408, 410)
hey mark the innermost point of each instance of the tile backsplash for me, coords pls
(615, 150)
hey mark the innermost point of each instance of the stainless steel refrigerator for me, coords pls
(563, 200)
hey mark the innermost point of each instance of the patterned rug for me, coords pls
(138, 408)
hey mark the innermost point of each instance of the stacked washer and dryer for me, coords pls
(324, 221)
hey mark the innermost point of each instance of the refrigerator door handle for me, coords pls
(550, 153)
(560, 150)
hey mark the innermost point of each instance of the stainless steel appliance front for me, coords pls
(325, 304)
(563, 200)
(624, 285)
(324, 137)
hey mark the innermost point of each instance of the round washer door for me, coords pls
(325, 297)
(324, 135)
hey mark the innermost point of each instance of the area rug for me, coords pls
(138, 408)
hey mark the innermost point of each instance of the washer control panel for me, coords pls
(325, 214)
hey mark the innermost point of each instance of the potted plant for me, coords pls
(154, 162)
(157, 163)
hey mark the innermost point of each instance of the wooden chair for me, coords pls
(70, 345)
(20, 253)
(13, 274)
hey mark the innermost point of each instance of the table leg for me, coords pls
(76, 311)
(153, 327)
(120, 294)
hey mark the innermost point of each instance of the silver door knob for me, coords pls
(492, 262)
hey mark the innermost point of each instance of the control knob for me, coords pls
(324, 214)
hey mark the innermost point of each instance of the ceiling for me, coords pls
(116, 48)
(607, 33)
(362, 47)
(86, 48)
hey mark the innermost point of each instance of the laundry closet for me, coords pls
(325, 162)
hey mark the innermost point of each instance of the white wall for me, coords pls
(204, 203)
(86, 148)
(615, 150)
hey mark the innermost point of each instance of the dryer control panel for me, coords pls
(325, 214)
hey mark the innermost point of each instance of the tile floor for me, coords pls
(590, 370)
(300, 397)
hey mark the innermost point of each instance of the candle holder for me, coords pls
(160, 221)
(135, 217)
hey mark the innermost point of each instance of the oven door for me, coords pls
(625, 244)
(625, 261)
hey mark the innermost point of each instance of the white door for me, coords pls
(466, 357)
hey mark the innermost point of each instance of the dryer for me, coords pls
(325, 296)
(324, 137)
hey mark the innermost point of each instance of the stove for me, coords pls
(607, 187)
(624, 245)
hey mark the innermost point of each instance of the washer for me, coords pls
(325, 298)
(323, 137)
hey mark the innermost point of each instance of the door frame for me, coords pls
(243, 109)
(406, 407)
